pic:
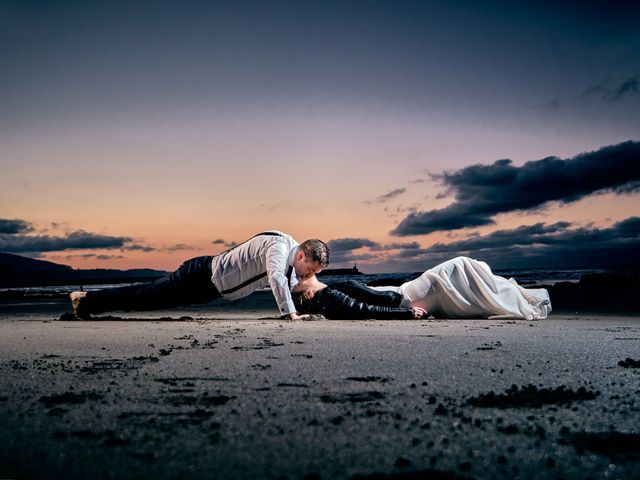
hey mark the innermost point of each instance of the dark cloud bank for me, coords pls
(483, 191)
(13, 239)
(343, 249)
(556, 245)
(11, 227)
(540, 245)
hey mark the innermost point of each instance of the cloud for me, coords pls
(629, 228)
(392, 194)
(11, 227)
(538, 233)
(347, 244)
(14, 240)
(628, 87)
(386, 197)
(88, 256)
(142, 248)
(74, 240)
(401, 209)
(177, 247)
(343, 250)
(350, 257)
(597, 90)
(556, 245)
(402, 246)
(606, 92)
(220, 241)
(483, 191)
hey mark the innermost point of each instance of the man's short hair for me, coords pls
(317, 251)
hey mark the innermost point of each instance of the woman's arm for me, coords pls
(368, 295)
(336, 305)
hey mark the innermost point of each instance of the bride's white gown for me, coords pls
(466, 288)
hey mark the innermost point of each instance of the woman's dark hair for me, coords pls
(300, 301)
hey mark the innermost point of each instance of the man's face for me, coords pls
(304, 267)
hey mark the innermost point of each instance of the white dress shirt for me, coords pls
(261, 261)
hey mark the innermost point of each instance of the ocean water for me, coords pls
(527, 277)
(532, 276)
(50, 302)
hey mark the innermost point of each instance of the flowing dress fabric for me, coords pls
(466, 288)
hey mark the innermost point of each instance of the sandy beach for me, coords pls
(250, 396)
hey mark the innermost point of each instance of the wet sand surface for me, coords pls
(209, 397)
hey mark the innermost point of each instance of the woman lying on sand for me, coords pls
(458, 288)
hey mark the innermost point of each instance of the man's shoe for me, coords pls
(76, 304)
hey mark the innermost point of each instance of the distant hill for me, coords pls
(10, 263)
(18, 271)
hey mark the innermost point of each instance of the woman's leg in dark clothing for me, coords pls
(188, 285)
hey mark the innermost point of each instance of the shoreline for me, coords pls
(602, 293)
(266, 398)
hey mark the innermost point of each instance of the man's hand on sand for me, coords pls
(295, 316)
(418, 312)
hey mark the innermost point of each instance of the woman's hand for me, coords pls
(418, 312)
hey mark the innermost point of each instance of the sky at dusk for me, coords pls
(139, 134)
